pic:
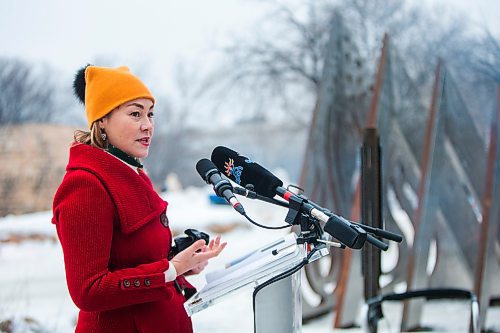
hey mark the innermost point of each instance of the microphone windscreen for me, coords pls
(244, 171)
(203, 166)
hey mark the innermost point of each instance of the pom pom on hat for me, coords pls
(102, 89)
(79, 84)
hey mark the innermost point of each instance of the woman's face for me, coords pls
(130, 127)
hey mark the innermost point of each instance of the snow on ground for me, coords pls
(32, 280)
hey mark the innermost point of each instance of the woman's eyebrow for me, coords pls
(136, 104)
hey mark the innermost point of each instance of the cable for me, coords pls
(285, 274)
(264, 226)
(282, 276)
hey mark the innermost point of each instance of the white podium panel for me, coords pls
(253, 268)
(277, 307)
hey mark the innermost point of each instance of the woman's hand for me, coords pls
(195, 258)
(197, 269)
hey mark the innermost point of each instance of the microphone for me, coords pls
(244, 171)
(222, 187)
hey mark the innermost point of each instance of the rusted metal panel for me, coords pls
(436, 176)
(426, 210)
(488, 260)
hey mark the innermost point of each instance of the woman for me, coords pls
(111, 223)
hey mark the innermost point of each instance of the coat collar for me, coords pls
(133, 194)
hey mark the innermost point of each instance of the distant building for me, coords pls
(34, 158)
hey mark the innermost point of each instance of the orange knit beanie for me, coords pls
(105, 88)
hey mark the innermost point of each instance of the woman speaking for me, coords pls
(112, 225)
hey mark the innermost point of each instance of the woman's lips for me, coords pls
(145, 141)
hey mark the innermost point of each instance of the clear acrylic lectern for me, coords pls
(277, 306)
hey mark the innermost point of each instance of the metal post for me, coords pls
(371, 212)
(345, 316)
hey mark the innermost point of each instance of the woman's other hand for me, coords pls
(195, 258)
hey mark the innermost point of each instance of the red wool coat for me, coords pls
(115, 238)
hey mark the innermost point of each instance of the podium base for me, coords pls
(278, 307)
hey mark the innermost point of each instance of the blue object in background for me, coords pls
(215, 200)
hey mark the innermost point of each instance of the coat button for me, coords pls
(164, 219)
(147, 282)
(137, 283)
(126, 283)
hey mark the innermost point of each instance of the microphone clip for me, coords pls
(295, 203)
(310, 230)
(247, 192)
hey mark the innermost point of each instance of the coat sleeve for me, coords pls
(84, 214)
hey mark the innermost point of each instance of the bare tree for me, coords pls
(285, 60)
(26, 93)
(487, 58)
(281, 68)
(166, 149)
(172, 147)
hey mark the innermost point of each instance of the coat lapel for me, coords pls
(135, 199)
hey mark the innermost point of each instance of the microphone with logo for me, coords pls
(244, 171)
(222, 187)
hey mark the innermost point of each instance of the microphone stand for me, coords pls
(283, 289)
(311, 231)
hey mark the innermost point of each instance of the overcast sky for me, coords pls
(154, 34)
(69, 34)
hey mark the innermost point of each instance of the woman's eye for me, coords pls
(151, 114)
(135, 114)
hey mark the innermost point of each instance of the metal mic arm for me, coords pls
(305, 214)
(381, 232)
(253, 195)
(375, 231)
(310, 233)
(359, 233)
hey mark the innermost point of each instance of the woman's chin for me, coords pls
(142, 154)
(139, 152)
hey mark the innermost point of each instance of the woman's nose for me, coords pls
(147, 124)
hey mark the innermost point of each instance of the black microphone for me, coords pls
(244, 171)
(222, 187)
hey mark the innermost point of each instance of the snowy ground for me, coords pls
(32, 281)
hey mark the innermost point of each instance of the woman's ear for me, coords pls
(103, 121)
